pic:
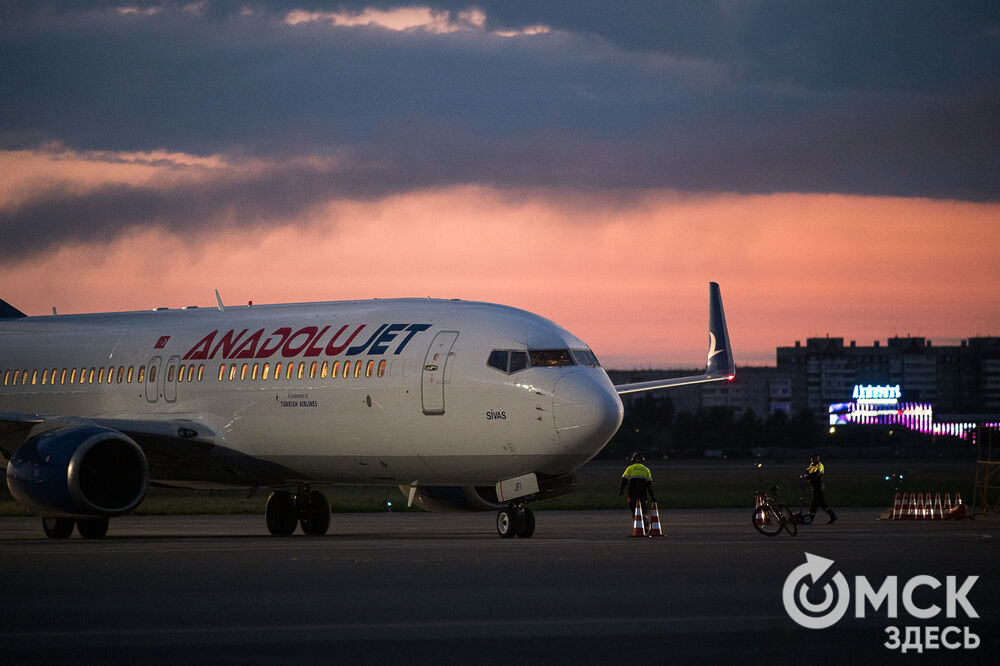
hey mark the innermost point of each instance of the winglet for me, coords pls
(721, 363)
(8, 311)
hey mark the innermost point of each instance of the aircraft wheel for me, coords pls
(315, 513)
(525, 523)
(93, 528)
(505, 523)
(280, 513)
(58, 528)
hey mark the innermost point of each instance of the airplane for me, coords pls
(462, 405)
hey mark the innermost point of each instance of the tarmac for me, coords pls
(444, 588)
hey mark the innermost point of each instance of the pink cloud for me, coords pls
(626, 271)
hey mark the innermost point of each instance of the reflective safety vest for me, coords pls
(814, 473)
(637, 470)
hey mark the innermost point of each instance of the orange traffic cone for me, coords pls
(938, 511)
(958, 511)
(654, 521)
(929, 507)
(947, 503)
(637, 528)
(897, 507)
(905, 513)
(921, 510)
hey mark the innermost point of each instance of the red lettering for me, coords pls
(313, 349)
(265, 352)
(333, 350)
(227, 343)
(200, 350)
(248, 347)
(289, 350)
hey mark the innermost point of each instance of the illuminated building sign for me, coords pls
(880, 405)
(881, 393)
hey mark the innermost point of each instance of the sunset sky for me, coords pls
(834, 166)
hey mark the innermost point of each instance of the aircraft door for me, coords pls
(432, 385)
(153, 378)
(170, 379)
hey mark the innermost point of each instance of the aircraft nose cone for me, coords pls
(587, 411)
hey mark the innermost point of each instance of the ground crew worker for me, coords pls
(814, 474)
(639, 480)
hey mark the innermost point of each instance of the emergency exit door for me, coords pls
(152, 380)
(435, 377)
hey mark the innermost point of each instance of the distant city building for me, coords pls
(962, 382)
(963, 379)
(763, 390)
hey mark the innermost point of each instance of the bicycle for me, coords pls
(770, 516)
(800, 517)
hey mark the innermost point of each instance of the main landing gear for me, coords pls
(62, 528)
(515, 520)
(307, 507)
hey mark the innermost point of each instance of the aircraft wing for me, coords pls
(720, 365)
(14, 430)
(181, 452)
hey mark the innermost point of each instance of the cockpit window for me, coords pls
(510, 361)
(585, 357)
(507, 361)
(542, 358)
(518, 361)
(499, 359)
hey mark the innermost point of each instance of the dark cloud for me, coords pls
(63, 213)
(870, 98)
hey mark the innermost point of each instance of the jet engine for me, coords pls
(78, 470)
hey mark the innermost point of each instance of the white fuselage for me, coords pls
(384, 391)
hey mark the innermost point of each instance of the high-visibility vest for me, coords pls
(637, 470)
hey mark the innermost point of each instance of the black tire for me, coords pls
(505, 523)
(58, 528)
(280, 513)
(525, 523)
(766, 520)
(790, 525)
(315, 514)
(93, 528)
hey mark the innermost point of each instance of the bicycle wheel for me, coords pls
(789, 521)
(767, 520)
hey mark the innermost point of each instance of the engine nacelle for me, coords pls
(451, 499)
(78, 471)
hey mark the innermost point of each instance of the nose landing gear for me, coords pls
(515, 520)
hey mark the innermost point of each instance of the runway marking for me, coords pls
(402, 630)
